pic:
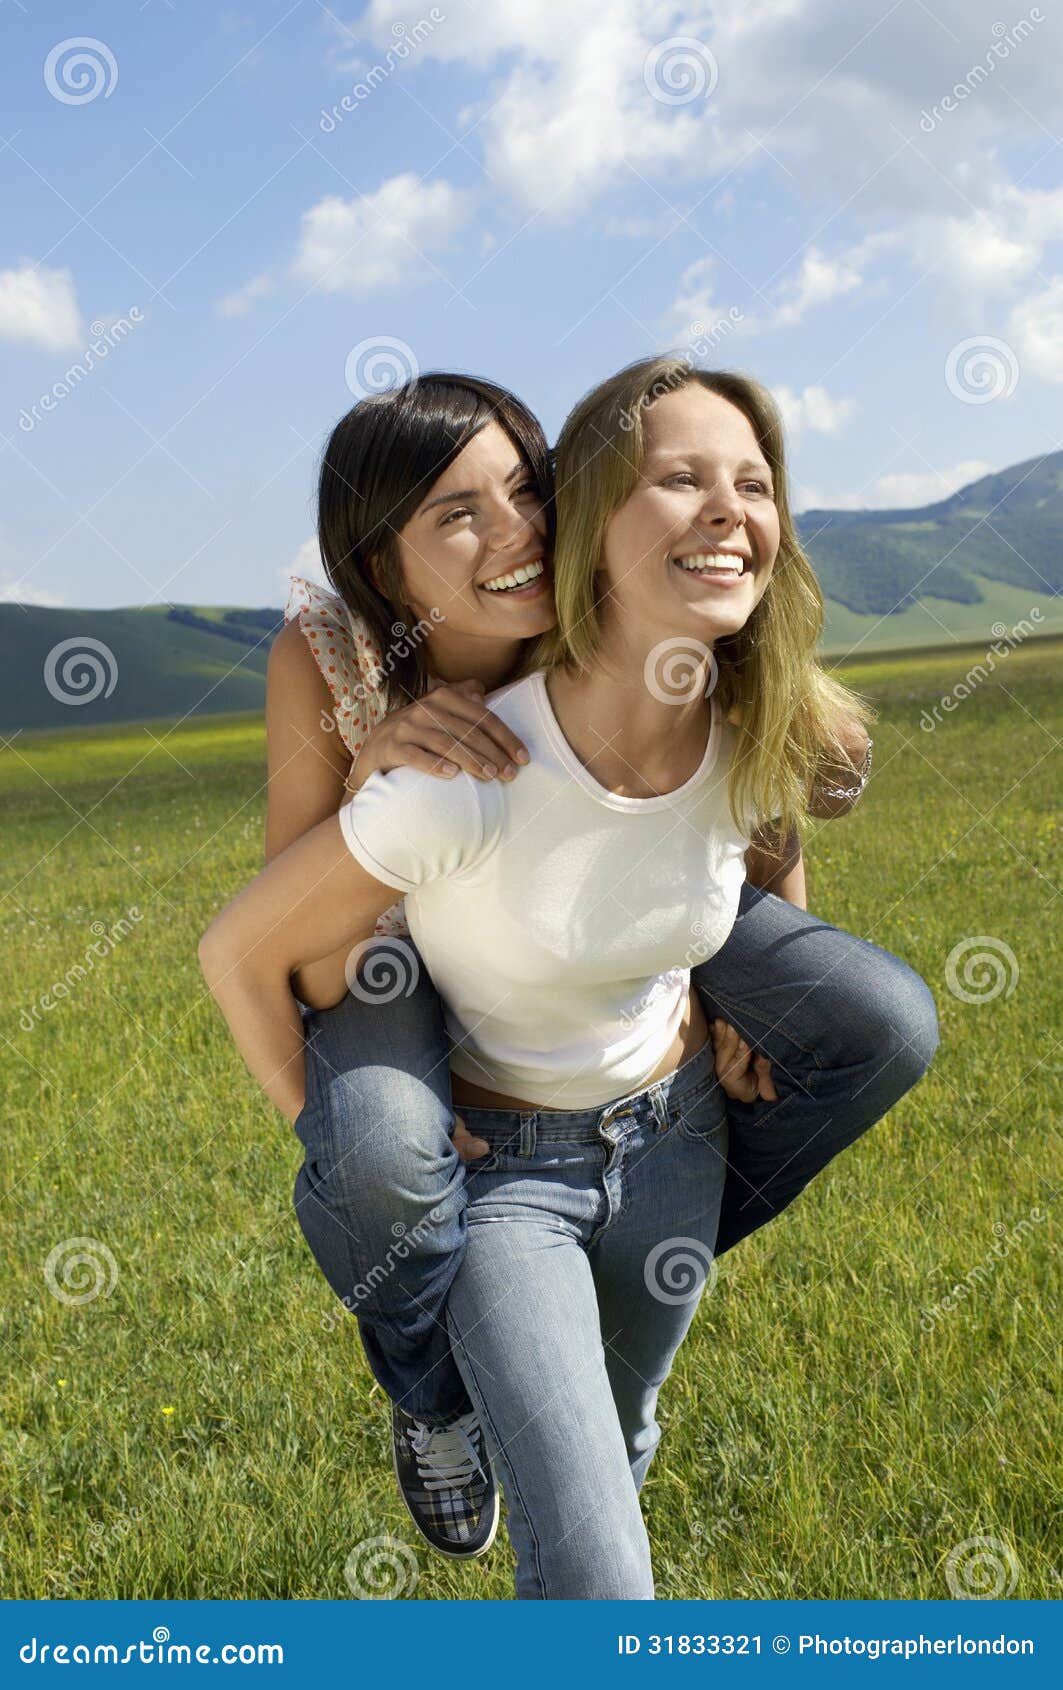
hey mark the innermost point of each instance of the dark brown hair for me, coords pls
(378, 467)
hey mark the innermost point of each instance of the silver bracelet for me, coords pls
(857, 788)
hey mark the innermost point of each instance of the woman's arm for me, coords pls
(774, 870)
(842, 774)
(291, 914)
(308, 768)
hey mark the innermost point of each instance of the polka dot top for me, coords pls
(348, 657)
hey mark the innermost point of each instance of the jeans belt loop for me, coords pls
(660, 1110)
(526, 1146)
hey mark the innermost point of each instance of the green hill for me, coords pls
(1006, 527)
(128, 665)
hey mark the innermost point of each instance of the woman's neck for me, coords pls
(463, 657)
(636, 740)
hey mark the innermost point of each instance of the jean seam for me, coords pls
(485, 1415)
(772, 1026)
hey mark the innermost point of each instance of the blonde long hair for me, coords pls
(787, 710)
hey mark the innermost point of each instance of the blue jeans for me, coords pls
(381, 1195)
(590, 1241)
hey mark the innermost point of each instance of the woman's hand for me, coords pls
(447, 730)
(742, 1074)
(468, 1148)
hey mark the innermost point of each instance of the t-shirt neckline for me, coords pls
(601, 794)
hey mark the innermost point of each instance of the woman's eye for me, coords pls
(451, 516)
(530, 490)
(683, 475)
(759, 487)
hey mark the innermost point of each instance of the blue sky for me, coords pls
(861, 204)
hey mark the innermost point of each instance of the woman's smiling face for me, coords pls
(475, 550)
(692, 550)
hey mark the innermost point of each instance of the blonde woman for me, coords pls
(560, 916)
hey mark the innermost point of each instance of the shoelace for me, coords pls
(446, 1455)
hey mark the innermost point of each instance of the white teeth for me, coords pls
(711, 562)
(517, 578)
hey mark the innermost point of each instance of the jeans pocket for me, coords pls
(703, 1114)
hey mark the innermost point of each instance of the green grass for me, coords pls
(209, 1429)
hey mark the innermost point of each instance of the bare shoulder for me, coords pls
(292, 669)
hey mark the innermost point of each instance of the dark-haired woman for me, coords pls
(435, 530)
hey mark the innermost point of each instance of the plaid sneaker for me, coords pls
(447, 1482)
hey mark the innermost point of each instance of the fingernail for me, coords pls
(490, 768)
(521, 756)
(509, 771)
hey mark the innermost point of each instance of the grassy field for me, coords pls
(204, 1427)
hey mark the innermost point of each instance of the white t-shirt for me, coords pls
(557, 919)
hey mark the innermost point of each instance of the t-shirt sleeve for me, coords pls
(407, 828)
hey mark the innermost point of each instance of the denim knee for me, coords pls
(898, 1022)
(401, 1160)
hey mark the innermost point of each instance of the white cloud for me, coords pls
(240, 301)
(380, 240)
(813, 410)
(307, 564)
(825, 98)
(20, 592)
(819, 280)
(40, 306)
(1036, 333)
(901, 491)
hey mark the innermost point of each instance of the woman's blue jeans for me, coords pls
(590, 1242)
(382, 1195)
